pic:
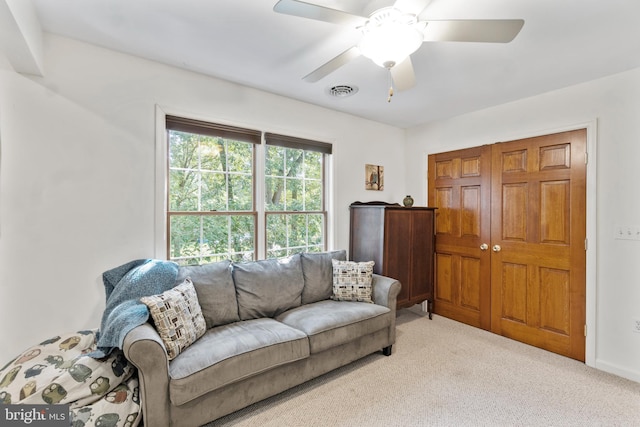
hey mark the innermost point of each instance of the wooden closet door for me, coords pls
(538, 232)
(527, 200)
(460, 187)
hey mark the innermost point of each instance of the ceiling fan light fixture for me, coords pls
(389, 37)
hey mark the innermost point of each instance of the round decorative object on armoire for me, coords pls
(407, 201)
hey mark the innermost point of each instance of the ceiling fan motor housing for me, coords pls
(390, 36)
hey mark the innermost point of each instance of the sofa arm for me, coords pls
(143, 347)
(385, 291)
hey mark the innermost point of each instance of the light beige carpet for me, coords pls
(444, 373)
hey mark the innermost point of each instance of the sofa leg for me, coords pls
(387, 351)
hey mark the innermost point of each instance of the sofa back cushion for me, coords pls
(269, 287)
(318, 274)
(215, 289)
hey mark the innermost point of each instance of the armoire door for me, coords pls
(523, 269)
(408, 253)
(397, 253)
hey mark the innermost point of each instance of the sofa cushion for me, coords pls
(331, 323)
(216, 292)
(352, 280)
(318, 274)
(177, 317)
(231, 353)
(268, 287)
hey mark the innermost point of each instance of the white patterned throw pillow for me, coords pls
(177, 316)
(352, 280)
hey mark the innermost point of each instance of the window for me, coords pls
(212, 212)
(294, 190)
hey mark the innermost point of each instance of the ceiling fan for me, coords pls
(391, 34)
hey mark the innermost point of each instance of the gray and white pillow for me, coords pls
(177, 317)
(352, 281)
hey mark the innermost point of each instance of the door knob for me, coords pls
(484, 247)
(496, 248)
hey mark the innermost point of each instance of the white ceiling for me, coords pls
(563, 42)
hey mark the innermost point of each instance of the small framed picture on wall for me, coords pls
(374, 177)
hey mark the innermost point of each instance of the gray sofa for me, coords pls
(271, 325)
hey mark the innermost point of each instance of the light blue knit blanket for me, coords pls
(124, 286)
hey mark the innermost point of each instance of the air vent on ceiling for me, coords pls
(342, 91)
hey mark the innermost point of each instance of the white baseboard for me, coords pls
(617, 370)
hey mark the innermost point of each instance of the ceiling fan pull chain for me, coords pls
(390, 85)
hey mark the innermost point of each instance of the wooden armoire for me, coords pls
(401, 242)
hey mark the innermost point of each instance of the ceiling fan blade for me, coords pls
(411, 6)
(403, 76)
(488, 31)
(319, 13)
(332, 65)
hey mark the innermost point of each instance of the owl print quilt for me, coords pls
(100, 392)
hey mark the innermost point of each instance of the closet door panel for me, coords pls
(460, 187)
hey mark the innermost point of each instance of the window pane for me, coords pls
(274, 161)
(183, 150)
(183, 190)
(297, 231)
(276, 232)
(215, 231)
(212, 153)
(274, 194)
(185, 238)
(239, 157)
(242, 234)
(313, 165)
(294, 162)
(295, 195)
(313, 195)
(240, 192)
(279, 253)
(214, 191)
(316, 230)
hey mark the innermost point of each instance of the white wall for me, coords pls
(614, 103)
(77, 173)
